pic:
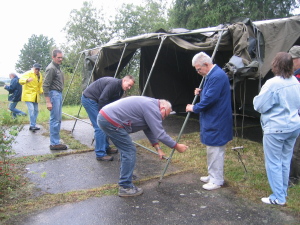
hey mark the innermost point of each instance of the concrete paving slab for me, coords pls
(31, 143)
(83, 171)
(178, 200)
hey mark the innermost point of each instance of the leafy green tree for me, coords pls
(86, 28)
(192, 14)
(37, 50)
(132, 20)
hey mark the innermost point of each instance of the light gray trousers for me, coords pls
(215, 164)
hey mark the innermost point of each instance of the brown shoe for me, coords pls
(110, 151)
(58, 147)
(105, 158)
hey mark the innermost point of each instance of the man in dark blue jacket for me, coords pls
(215, 117)
(14, 96)
(100, 93)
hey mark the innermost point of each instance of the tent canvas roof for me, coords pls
(168, 54)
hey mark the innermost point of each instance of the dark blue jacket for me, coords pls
(104, 90)
(14, 90)
(215, 109)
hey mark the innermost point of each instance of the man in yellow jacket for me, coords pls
(32, 82)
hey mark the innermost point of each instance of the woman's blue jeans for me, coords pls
(101, 141)
(278, 151)
(123, 142)
(33, 112)
(55, 116)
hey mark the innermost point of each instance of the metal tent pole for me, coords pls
(146, 84)
(76, 118)
(188, 115)
(72, 79)
(120, 60)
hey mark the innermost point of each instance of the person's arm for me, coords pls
(161, 154)
(49, 74)
(214, 88)
(41, 84)
(265, 99)
(25, 79)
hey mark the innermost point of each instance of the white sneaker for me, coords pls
(267, 200)
(210, 186)
(205, 179)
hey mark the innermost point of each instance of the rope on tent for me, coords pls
(188, 114)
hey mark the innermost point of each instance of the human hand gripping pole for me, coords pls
(179, 146)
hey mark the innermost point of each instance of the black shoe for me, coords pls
(110, 151)
(34, 128)
(58, 147)
(105, 158)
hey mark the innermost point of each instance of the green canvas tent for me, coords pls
(243, 49)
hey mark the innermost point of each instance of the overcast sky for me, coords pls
(20, 19)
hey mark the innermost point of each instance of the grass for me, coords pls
(251, 185)
(44, 114)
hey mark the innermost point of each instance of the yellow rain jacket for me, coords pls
(31, 90)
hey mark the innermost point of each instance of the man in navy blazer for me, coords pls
(215, 117)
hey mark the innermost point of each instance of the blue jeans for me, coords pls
(123, 142)
(14, 110)
(101, 141)
(278, 151)
(55, 116)
(33, 111)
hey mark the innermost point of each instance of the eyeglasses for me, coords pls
(199, 69)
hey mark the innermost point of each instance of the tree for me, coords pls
(86, 28)
(37, 50)
(132, 20)
(193, 14)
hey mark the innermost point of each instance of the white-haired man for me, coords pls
(215, 117)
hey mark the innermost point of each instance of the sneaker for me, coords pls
(267, 200)
(105, 158)
(110, 151)
(210, 186)
(58, 147)
(129, 192)
(205, 179)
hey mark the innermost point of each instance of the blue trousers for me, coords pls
(14, 110)
(33, 112)
(101, 141)
(278, 151)
(123, 142)
(55, 116)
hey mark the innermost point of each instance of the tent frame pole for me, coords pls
(154, 62)
(120, 60)
(90, 78)
(188, 114)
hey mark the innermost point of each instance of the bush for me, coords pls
(8, 176)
